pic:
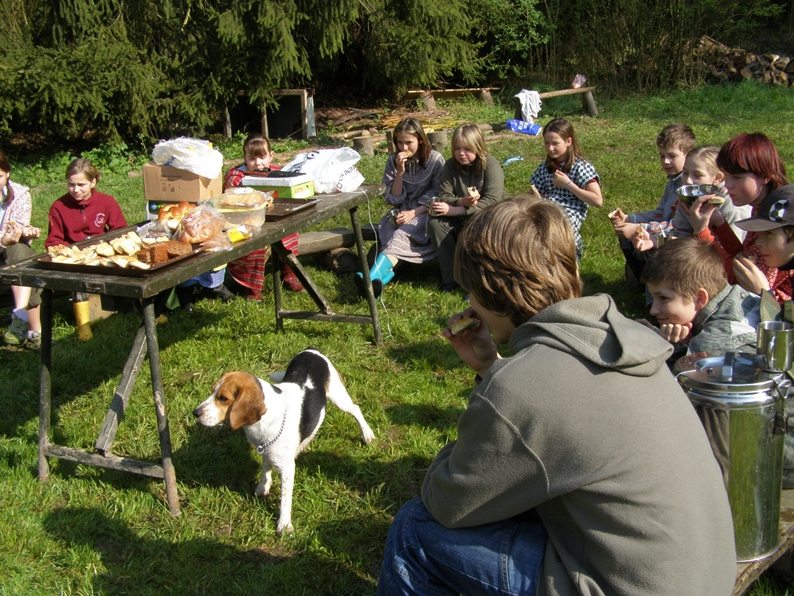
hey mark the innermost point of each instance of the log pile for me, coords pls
(723, 64)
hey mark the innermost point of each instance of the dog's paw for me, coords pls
(262, 490)
(284, 526)
(367, 435)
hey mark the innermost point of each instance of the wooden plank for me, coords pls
(562, 92)
(448, 93)
(123, 464)
(747, 573)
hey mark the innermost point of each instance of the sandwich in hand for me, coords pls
(461, 325)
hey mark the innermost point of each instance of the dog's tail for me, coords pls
(277, 377)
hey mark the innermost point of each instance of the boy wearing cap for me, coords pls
(697, 309)
(774, 224)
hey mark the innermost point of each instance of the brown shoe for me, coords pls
(289, 279)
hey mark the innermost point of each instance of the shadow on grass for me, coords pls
(80, 367)
(147, 565)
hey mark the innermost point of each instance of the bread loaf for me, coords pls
(199, 225)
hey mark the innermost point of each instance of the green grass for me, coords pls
(92, 531)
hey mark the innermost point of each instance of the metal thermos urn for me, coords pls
(742, 408)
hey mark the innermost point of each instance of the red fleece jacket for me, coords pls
(72, 222)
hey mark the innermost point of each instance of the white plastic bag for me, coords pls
(333, 170)
(193, 155)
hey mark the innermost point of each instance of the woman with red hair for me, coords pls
(752, 169)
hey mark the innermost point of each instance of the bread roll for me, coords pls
(173, 211)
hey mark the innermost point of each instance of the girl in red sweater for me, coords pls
(752, 169)
(81, 213)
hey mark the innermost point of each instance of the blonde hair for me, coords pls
(518, 257)
(83, 166)
(256, 145)
(685, 265)
(707, 155)
(679, 136)
(469, 136)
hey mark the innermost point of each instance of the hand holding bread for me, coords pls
(472, 340)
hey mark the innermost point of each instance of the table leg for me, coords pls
(275, 263)
(132, 368)
(45, 383)
(303, 277)
(169, 473)
(362, 257)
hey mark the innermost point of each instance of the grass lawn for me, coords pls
(93, 531)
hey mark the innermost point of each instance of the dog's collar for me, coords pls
(264, 446)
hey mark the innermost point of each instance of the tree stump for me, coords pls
(363, 145)
(485, 96)
(428, 101)
(438, 139)
(588, 101)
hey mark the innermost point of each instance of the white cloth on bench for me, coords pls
(530, 104)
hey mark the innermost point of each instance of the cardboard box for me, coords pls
(166, 183)
(299, 186)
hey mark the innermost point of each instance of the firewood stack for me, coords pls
(723, 64)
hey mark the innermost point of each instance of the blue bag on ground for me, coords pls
(525, 127)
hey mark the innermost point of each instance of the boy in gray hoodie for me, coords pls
(580, 466)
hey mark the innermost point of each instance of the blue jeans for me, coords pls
(424, 557)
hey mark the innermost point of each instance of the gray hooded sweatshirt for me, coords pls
(586, 425)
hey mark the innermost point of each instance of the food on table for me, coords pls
(199, 225)
(241, 196)
(177, 249)
(171, 215)
(128, 250)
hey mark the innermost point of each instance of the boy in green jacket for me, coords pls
(580, 466)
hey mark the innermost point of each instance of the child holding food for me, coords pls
(773, 226)
(16, 233)
(412, 178)
(565, 177)
(753, 170)
(674, 142)
(695, 306)
(700, 171)
(471, 181)
(248, 273)
(81, 213)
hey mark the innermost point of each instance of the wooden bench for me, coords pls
(747, 573)
(588, 99)
(310, 243)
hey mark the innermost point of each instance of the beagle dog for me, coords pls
(280, 420)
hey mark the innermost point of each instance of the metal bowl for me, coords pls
(689, 192)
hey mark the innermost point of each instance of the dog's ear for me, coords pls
(249, 405)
